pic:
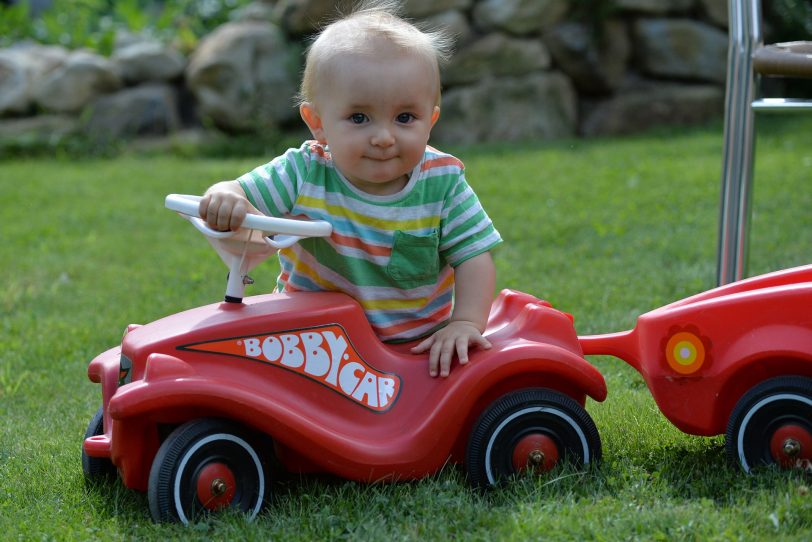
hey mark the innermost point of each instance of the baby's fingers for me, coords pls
(210, 209)
(203, 206)
(424, 345)
(238, 212)
(481, 342)
(462, 349)
(442, 354)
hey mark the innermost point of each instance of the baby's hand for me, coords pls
(457, 336)
(224, 210)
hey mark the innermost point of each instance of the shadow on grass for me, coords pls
(699, 470)
(107, 497)
(446, 507)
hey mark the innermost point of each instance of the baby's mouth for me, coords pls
(383, 158)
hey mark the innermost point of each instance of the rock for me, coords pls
(125, 38)
(596, 61)
(519, 16)
(715, 11)
(14, 84)
(645, 105)
(149, 109)
(244, 76)
(74, 84)
(537, 106)
(299, 17)
(49, 129)
(255, 11)
(148, 61)
(682, 49)
(496, 54)
(22, 69)
(453, 23)
(425, 8)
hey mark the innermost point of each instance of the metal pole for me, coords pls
(739, 138)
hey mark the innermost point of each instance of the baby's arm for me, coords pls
(474, 281)
(224, 206)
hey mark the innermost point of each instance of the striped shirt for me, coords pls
(394, 254)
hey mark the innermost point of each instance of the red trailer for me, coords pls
(735, 360)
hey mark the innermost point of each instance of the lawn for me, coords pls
(605, 229)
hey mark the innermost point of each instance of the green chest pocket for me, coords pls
(415, 259)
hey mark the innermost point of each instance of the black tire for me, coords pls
(772, 425)
(203, 466)
(96, 469)
(536, 429)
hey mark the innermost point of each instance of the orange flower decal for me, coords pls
(686, 351)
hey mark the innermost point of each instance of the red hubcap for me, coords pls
(216, 486)
(790, 445)
(535, 452)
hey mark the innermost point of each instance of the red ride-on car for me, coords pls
(735, 360)
(197, 406)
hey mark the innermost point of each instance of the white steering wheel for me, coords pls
(284, 231)
(241, 250)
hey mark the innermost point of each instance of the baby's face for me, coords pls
(376, 115)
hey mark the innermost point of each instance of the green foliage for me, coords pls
(606, 229)
(15, 23)
(95, 23)
(789, 20)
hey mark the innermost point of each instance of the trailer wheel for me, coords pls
(97, 468)
(772, 425)
(204, 466)
(534, 429)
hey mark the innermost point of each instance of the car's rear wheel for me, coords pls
(530, 430)
(204, 466)
(772, 425)
(96, 468)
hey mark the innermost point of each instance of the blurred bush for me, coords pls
(94, 23)
(788, 20)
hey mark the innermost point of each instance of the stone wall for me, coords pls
(522, 69)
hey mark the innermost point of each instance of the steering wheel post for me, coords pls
(237, 278)
(242, 250)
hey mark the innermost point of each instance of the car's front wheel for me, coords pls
(96, 468)
(204, 466)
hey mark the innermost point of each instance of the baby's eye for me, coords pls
(405, 118)
(358, 118)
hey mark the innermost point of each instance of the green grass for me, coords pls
(605, 229)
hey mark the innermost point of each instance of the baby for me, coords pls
(410, 239)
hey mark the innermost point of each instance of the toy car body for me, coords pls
(735, 360)
(196, 406)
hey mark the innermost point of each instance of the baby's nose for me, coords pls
(383, 138)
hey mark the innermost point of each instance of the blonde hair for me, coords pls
(361, 31)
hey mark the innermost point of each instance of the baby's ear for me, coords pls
(435, 115)
(311, 117)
